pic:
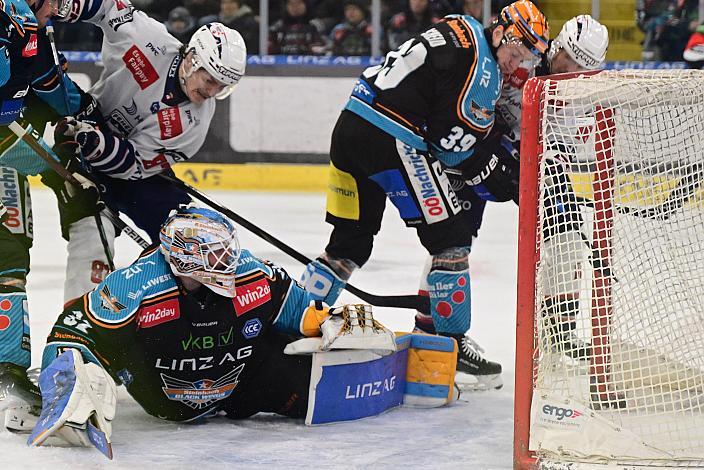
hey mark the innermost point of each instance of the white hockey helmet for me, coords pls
(221, 52)
(202, 244)
(584, 39)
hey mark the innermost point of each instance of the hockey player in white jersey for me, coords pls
(155, 95)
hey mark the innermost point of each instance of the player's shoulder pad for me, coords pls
(121, 11)
(17, 14)
(117, 298)
(450, 38)
(249, 264)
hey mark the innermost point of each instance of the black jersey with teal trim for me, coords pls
(180, 355)
(436, 92)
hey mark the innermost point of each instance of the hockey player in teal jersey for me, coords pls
(430, 104)
(198, 326)
(32, 91)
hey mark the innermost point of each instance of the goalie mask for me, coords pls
(585, 41)
(221, 52)
(202, 244)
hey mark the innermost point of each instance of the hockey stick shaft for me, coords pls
(62, 84)
(415, 302)
(33, 142)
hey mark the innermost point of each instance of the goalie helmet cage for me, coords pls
(610, 306)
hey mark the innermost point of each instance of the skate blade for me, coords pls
(478, 383)
(20, 419)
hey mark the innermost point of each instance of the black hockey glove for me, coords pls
(75, 202)
(493, 170)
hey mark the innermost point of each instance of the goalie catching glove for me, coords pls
(345, 327)
(78, 403)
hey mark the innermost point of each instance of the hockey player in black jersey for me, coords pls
(581, 45)
(32, 92)
(197, 326)
(429, 104)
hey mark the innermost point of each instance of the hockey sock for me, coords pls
(448, 288)
(86, 265)
(326, 277)
(14, 329)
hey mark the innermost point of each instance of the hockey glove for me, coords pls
(354, 327)
(90, 139)
(75, 202)
(78, 404)
(493, 171)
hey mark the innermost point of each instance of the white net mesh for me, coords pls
(619, 304)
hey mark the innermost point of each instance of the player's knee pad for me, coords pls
(87, 264)
(448, 288)
(326, 277)
(14, 329)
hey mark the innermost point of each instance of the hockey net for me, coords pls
(610, 326)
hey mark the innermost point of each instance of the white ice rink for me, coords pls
(472, 434)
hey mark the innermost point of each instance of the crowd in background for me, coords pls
(342, 27)
(315, 27)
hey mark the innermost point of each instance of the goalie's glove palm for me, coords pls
(354, 327)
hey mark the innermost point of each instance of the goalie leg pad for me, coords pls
(347, 385)
(78, 402)
(353, 384)
(430, 373)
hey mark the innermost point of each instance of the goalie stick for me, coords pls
(32, 139)
(415, 302)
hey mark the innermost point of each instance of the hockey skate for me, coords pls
(20, 400)
(474, 372)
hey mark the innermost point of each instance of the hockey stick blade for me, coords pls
(414, 302)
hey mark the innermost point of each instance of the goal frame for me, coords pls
(528, 256)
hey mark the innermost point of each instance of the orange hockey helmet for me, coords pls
(524, 24)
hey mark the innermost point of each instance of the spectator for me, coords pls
(415, 18)
(237, 15)
(328, 14)
(181, 24)
(667, 25)
(694, 52)
(294, 34)
(354, 35)
(681, 21)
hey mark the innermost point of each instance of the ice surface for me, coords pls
(473, 434)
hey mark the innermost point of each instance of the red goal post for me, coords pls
(632, 145)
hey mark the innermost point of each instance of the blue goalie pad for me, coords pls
(56, 383)
(350, 385)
